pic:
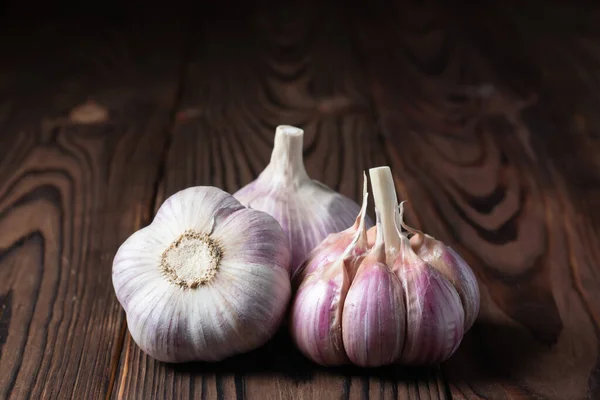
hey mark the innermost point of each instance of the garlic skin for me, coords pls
(316, 315)
(434, 314)
(374, 319)
(454, 268)
(306, 209)
(207, 279)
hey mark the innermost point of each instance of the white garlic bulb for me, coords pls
(307, 209)
(207, 279)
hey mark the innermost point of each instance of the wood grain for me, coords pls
(276, 66)
(487, 114)
(477, 174)
(71, 191)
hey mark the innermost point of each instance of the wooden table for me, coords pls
(488, 116)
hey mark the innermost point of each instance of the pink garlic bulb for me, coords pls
(377, 302)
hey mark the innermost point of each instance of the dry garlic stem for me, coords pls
(384, 194)
(307, 210)
(207, 279)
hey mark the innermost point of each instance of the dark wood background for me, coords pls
(487, 112)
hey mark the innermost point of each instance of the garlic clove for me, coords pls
(335, 244)
(307, 210)
(444, 259)
(434, 313)
(373, 318)
(454, 268)
(207, 279)
(316, 315)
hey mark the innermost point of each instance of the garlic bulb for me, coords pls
(377, 302)
(207, 279)
(307, 210)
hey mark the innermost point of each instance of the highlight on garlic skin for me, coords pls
(378, 302)
(307, 209)
(207, 279)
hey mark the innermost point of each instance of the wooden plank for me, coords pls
(74, 182)
(275, 66)
(452, 91)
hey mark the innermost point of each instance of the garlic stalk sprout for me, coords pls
(307, 210)
(207, 279)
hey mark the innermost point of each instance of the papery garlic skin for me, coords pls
(307, 210)
(434, 313)
(207, 279)
(373, 320)
(454, 268)
(316, 316)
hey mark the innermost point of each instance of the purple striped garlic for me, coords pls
(375, 306)
(205, 280)
(307, 210)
